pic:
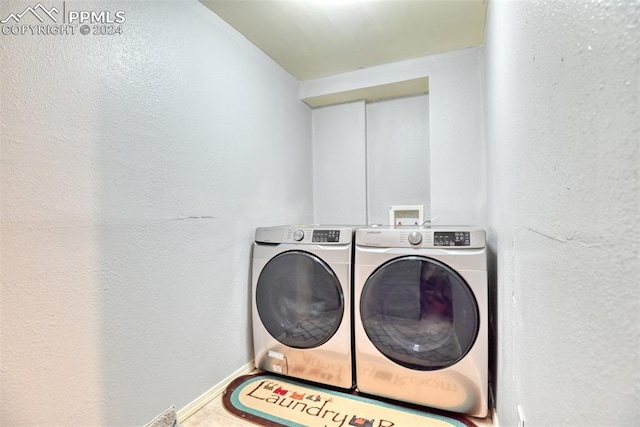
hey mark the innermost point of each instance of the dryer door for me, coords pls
(299, 299)
(419, 313)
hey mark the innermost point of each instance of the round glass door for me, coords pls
(419, 313)
(299, 299)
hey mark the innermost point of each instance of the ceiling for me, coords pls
(318, 38)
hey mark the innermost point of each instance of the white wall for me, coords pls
(397, 156)
(563, 125)
(368, 157)
(135, 169)
(456, 126)
(339, 164)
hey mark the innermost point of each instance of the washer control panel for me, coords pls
(450, 238)
(326, 236)
(437, 237)
(306, 234)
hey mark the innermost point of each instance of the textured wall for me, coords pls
(134, 171)
(456, 126)
(397, 156)
(381, 149)
(339, 164)
(563, 118)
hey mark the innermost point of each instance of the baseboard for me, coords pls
(212, 393)
(494, 418)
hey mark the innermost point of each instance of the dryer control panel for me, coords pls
(422, 237)
(327, 235)
(451, 238)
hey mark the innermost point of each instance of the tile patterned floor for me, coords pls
(213, 414)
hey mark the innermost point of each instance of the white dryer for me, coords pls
(301, 287)
(420, 321)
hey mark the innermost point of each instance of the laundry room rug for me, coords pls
(270, 400)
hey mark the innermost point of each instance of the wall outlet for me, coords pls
(520, 416)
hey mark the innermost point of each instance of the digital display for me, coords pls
(450, 238)
(326, 236)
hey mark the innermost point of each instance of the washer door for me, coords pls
(419, 313)
(299, 299)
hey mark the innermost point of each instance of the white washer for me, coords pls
(420, 316)
(301, 287)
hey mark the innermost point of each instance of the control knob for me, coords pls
(415, 238)
(298, 235)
